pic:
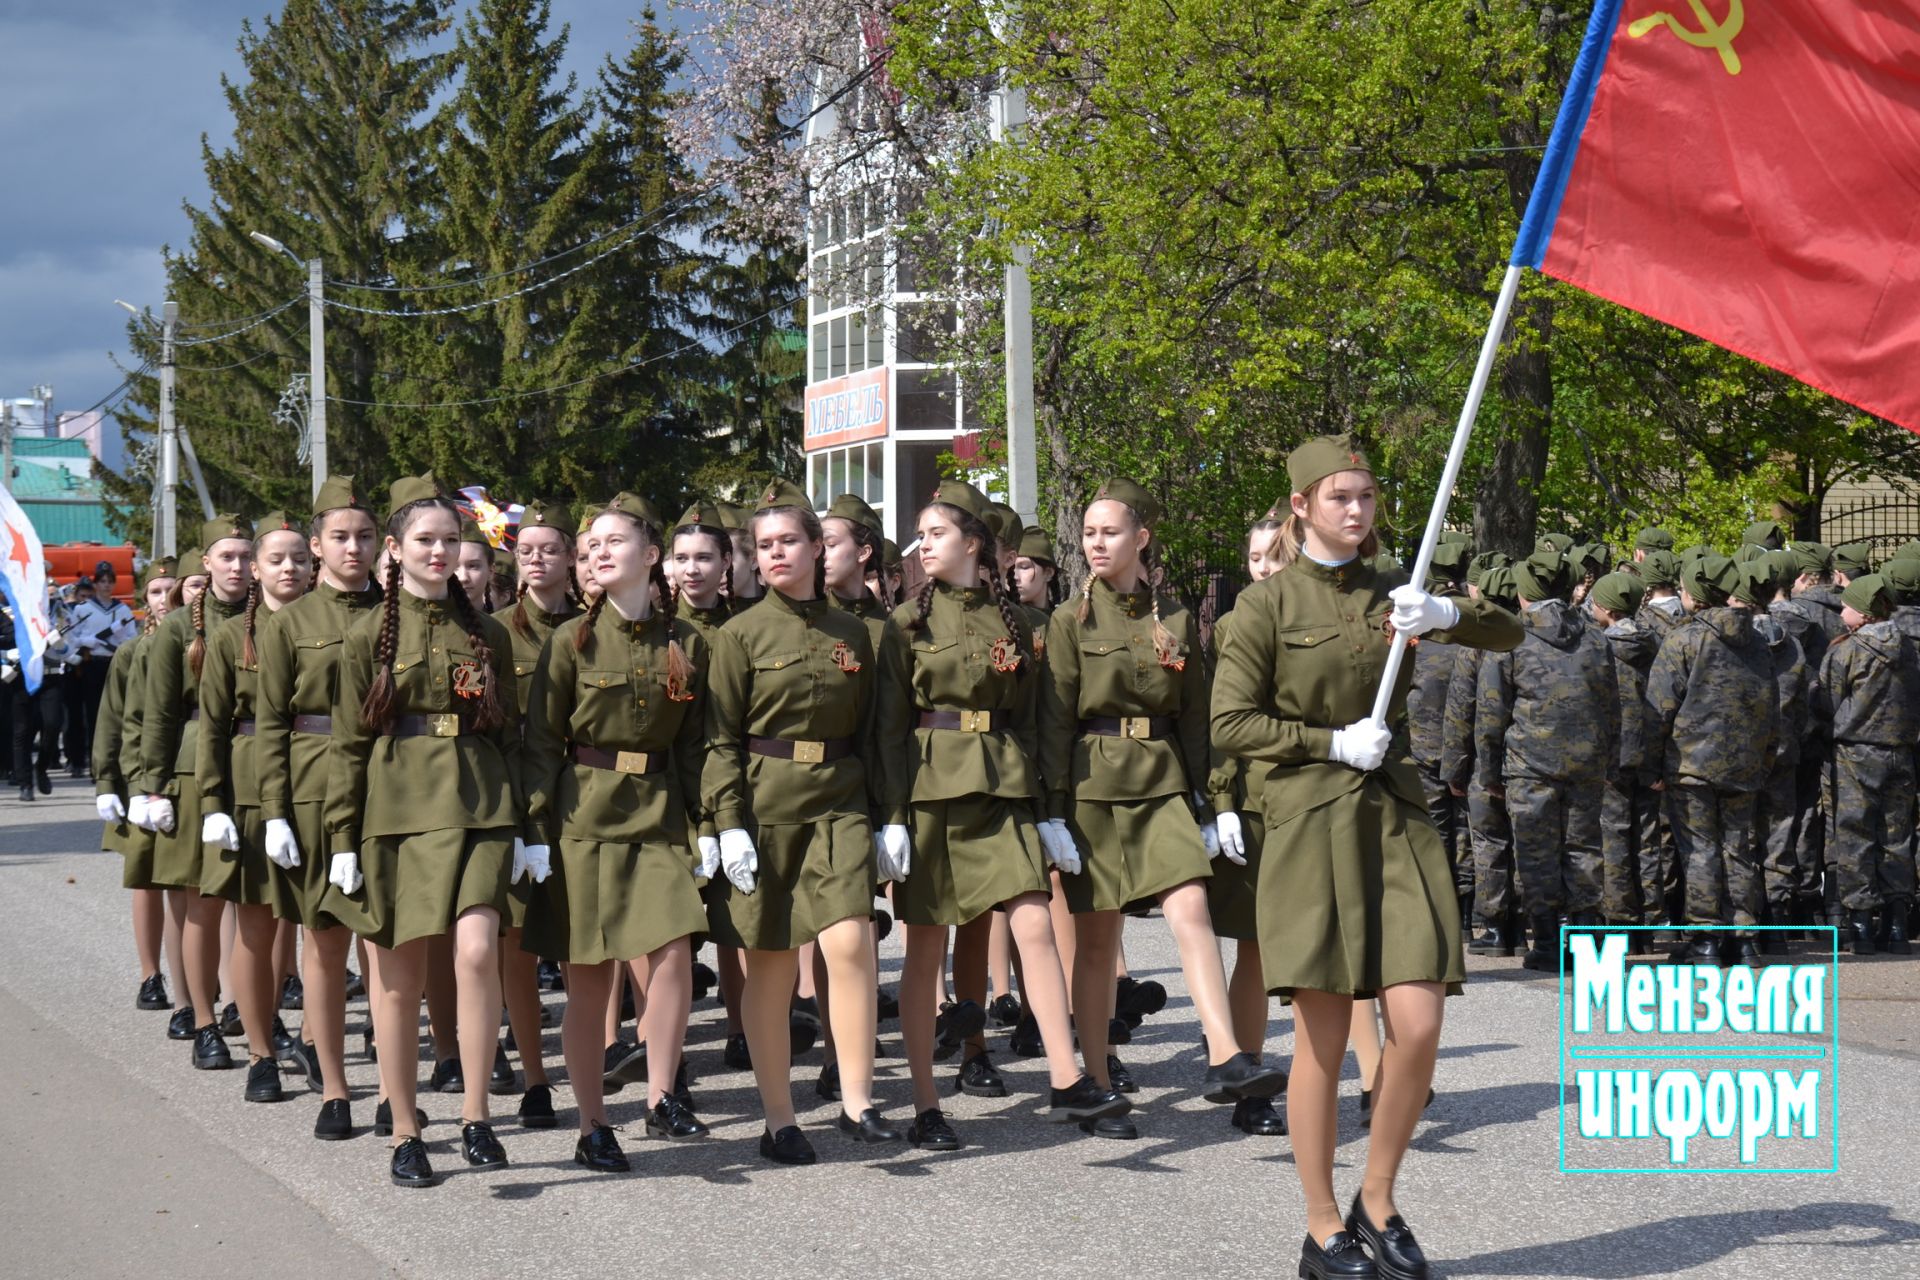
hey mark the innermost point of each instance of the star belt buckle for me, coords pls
(976, 721)
(809, 752)
(632, 761)
(443, 724)
(1136, 726)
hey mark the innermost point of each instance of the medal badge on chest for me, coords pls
(469, 679)
(1005, 654)
(843, 658)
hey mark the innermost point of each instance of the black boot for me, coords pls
(1700, 948)
(1494, 940)
(1544, 955)
(1859, 933)
(1897, 943)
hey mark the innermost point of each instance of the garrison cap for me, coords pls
(702, 514)
(1620, 592)
(1810, 557)
(784, 493)
(337, 492)
(1903, 578)
(164, 567)
(1480, 565)
(1496, 584)
(889, 554)
(470, 531)
(733, 516)
(1005, 523)
(225, 525)
(1036, 545)
(1541, 576)
(1144, 504)
(632, 504)
(962, 496)
(1653, 538)
(503, 562)
(190, 565)
(1560, 542)
(1661, 568)
(1765, 533)
(1710, 579)
(1324, 456)
(1853, 558)
(1870, 595)
(274, 522)
(548, 515)
(849, 507)
(407, 489)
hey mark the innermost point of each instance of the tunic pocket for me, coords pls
(1306, 637)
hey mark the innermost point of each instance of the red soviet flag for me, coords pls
(1749, 172)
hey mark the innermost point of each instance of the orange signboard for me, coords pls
(847, 410)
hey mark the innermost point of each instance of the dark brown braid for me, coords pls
(583, 638)
(1016, 632)
(197, 651)
(679, 666)
(924, 608)
(376, 709)
(249, 658)
(491, 713)
(518, 620)
(1166, 646)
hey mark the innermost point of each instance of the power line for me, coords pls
(219, 324)
(259, 320)
(126, 385)
(222, 368)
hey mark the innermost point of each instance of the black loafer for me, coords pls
(293, 993)
(1116, 1128)
(625, 1064)
(1119, 1079)
(502, 1080)
(801, 1034)
(704, 980)
(536, 1108)
(789, 1146)
(1084, 1101)
(263, 1081)
(807, 1010)
(979, 1079)
(886, 1007)
(306, 1059)
(283, 1045)
(1242, 1076)
(870, 1127)
(180, 1025)
(210, 1050)
(957, 1024)
(931, 1132)
(230, 1024)
(828, 1085)
(447, 1077)
(383, 1119)
(600, 1151)
(335, 1121)
(1259, 1118)
(480, 1147)
(1396, 1255)
(153, 994)
(1025, 1041)
(1137, 1001)
(410, 1167)
(1005, 1010)
(735, 1055)
(1343, 1258)
(671, 1120)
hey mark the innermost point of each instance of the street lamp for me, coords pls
(316, 353)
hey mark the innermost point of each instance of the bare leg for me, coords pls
(394, 988)
(200, 939)
(580, 1031)
(848, 947)
(442, 1003)
(611, 1023)
(1064, 926)
(1320, 1021)
(765, 1006)
(663, 1028)
(822, 990)
(970, 946)
(228, 924)
(173, 936)
(999, 954)
(1185, 909)
(807, 970)
(1412, 1012)
(286, 956)
(252, 969)
(324, 1016)
(1247, 999)
(1099, 940)
(520, 984)
(919, 984)
(1045, 985)
(476, 967)
(1365, 1036)
(149, 923)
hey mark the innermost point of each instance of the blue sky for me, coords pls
(102, 108)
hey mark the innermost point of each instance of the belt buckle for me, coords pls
(976, 721)
(443, 724)
(1136, 726)
(631, 761)
(809, 752)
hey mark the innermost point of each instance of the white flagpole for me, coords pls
(1455, 456)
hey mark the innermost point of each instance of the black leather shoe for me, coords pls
(447, 1077)
(1898, 943)
(1858, 935)
(1243, 1076)
(230, 1021)
(1085, 1101)
(931, 1132)
(293, 993)
(1118, 1077)
(1025, 1041)
(1259, 1118)
(536, 1108)
(263, 1081)
(180, 1025)
(735, 1055)
(669, 1119)
(870, 1127)
(44, 782)
(600, 1151)
(210, 1050)
(551, 979)
(1138, 1001)
(283, 1045)
(1117, 1128)
(1396, 1255)
(807, 1010)
(480, 1147)
(503, 1080)
(335, 1121)
(789, 1146)
(1494, 940)
(800, 1035)
(153, 994)
(625, 1064)
(383, 1119)
(885, 1007)
(1118, 1032)
(1005, 1011)
(828, 1085)
(957, 1023)
(410, 1167)
(1343, 1258)
(979, 1079)
(306, 1059)
(882, 925)
(26, 793)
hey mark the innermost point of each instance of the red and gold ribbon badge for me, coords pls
(469, 679)
(843, 658)
(1005, 655)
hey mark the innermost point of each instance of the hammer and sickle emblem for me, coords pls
(1718, 36)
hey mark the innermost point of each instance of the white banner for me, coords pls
(23, 580)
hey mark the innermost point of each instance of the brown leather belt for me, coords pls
(243, 727)
(622, 761)
(967, 721)
(1142, 727)
(313, 724)
(441, 724)
(802, 751)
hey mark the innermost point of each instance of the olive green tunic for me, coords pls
(432, 818)
(1355, 892)
(1129, 801)
(227, 769)
(975, 793)
(1231, 894)
(169, 742)
(526, 657)
(299, 649)
(108, 733)
(805, 672)
(623, 881)
(137, 854)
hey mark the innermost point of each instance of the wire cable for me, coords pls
(245, 328)
(221, 324)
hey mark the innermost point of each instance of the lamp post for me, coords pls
(166, 534)
(316, 355)
(1008, 119)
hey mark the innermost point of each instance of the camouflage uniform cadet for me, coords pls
(1715, 716)
(1776, 816)
(1903, 579)
(1660, 609)
(1534, 728)
(1869, 693)
(1812, 616)
(1489, 830)
(1852, 560)
(1433, 662)
(1631, 885)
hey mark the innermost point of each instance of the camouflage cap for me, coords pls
(1853, 558)
(1035, 545)
(164, 567)
(1753, 582)
(1541, 576)
(1497, 585)
(275, 522)
(1324, 456)
(1118, 489)
(1653, 538)
(702, 514)
(783, 493)
(849, 507)
(1710, 579)
(632, 504)
(1480, 565)
(1765, 533)
(1560, 542)
(225, 525)
(470, 531)
(407, 489)
(962, 496)
(1903, 578)
(1660, 569)
(1810, 557)
(1620, 592)
(1868, 594)
(1005, 523)
(548, 515)
(337, 492)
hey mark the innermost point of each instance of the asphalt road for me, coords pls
(117, 1159)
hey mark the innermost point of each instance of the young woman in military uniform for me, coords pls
(795, 764)
(423, 805)
(1123, 752)
(168, 742)
(972, 682)
(612, 767)
(134, 845)
(299, 659)
(474, 570)
(234, 866)
(1355, 894)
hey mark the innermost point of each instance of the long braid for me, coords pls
(518, 620)
(248, 657)
(1166, 646)
(376, 709)
(574, 594)
(820, 577)
(583, 638)
(491, 713)
(925, 608)
(197, 651)
(1085, 610)
(680, 670)
(1016, 632)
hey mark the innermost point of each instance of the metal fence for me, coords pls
(1885, 522)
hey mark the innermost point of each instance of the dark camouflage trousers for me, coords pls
(1776, 843)
(1870, 832)
(1556, 845)
(1491, 836)
(1635, 868)
(1447, 812)
(1810, 790)
(1713, 836)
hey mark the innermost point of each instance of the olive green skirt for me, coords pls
(1231, 896)
(969, 856)
(612, 900)
(418, 885)
(1356, 895)
(116, 836)
(176, 853)
(297, 892)
(812, 874)
(136, 860)
(240, 875)
(1132, 851)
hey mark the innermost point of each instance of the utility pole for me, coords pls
(1023, 483)
(317, 371)
(6, 446)
(167, 536)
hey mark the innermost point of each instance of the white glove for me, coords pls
(109, 808)
(709, 847)
(534, 860)
(344, 874)
(283, 849)
(159, 813)
(893, 851)
(1233, 838)
(1416, 613)
(739, 858)
(217, 829)
(139, 812)
(1362, 744)
(1060, 849)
